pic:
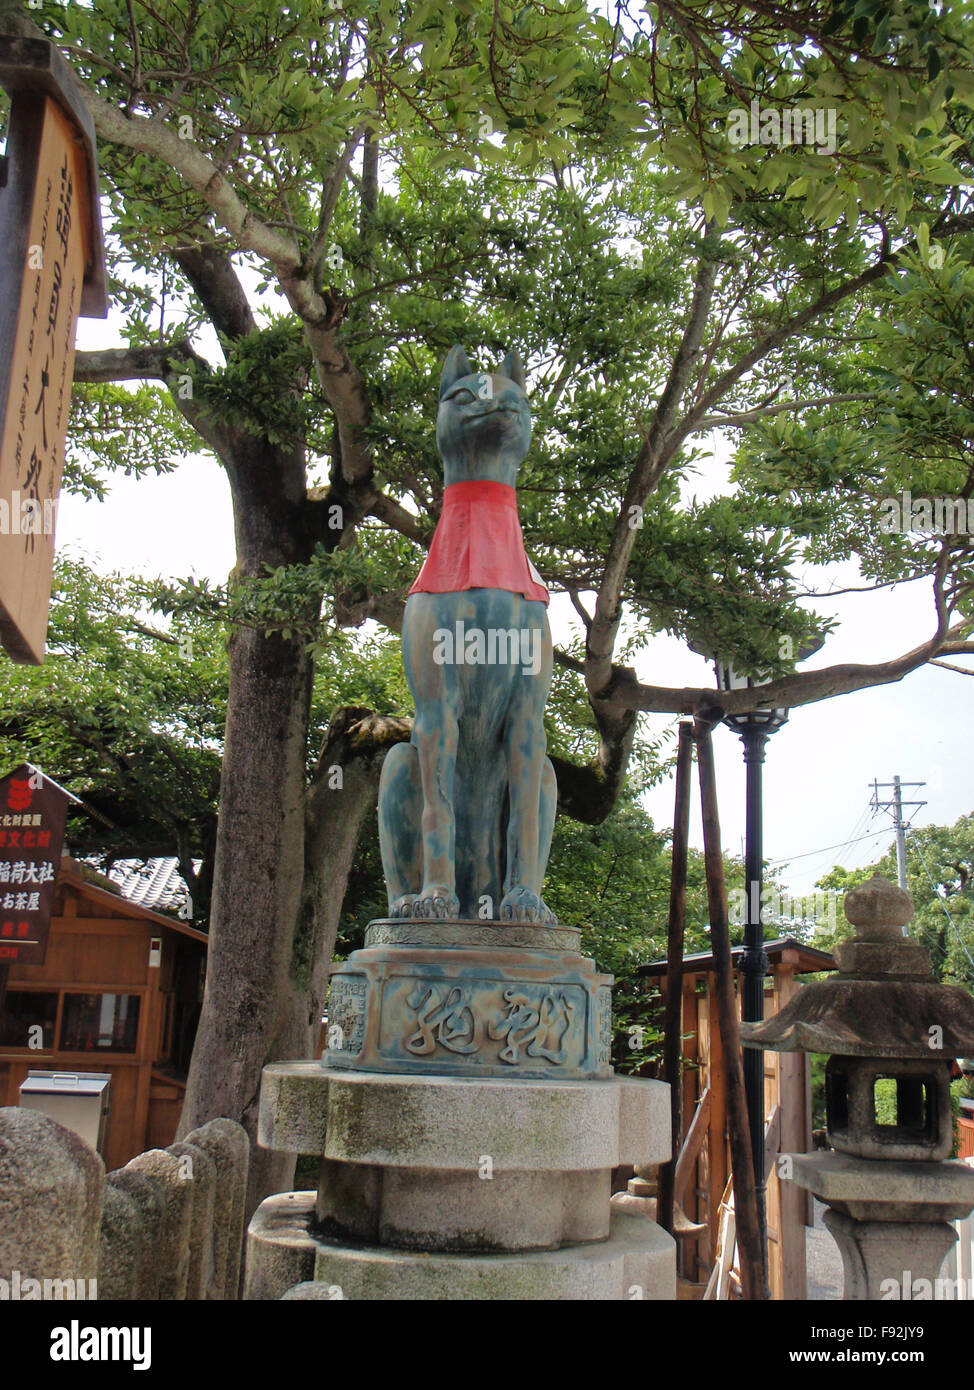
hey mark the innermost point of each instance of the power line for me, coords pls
(858, 829)
(874, 835)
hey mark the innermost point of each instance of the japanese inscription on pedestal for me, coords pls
(538, 1020)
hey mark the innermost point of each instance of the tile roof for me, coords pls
(155, 883)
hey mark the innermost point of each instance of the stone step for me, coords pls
(636, 1261)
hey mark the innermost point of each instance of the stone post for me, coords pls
(226, 1144)
(51, 1186)
(891, 1221)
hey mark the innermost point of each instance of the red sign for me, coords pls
(32, 815)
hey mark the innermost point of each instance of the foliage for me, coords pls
(817, 1062)
(127, 714)
(122, 429)
(531, 114)
(546, 78)
(842, 487)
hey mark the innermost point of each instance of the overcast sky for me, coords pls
(819, 766)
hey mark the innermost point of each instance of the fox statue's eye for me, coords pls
(463, 396)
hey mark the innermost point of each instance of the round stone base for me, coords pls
(637, 1261)
(472, 1209)
(453, 1164)
(280, 1247)
(450, 1124)
(472, 999)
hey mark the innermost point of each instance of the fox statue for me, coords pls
(467, 807)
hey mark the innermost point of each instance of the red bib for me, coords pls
(478, 544)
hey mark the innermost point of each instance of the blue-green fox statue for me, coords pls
(467, 807)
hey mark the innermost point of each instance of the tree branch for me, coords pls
(580, 608)
(601, 635)
(395, 516)
(330, 191)
(948, 666)
(748, 417)
(788, 692)
(134, 363)
(158, 140)
(161, 362)
(218, 288)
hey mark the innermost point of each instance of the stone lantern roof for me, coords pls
(883, 1002)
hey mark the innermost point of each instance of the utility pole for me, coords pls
(895, 805)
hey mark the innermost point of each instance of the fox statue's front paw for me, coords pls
(436, 901)
(402, 907)
(522, 905)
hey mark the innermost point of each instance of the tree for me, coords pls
(242, 148)
(129, 709)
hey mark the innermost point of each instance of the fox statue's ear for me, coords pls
(455, 368)
(512, 369)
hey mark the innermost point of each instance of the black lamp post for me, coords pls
(755, 728)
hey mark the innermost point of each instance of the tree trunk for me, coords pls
(259, 860)
(278, 897)
(342, 792)
(258, 877)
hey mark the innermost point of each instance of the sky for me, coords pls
(819, 766)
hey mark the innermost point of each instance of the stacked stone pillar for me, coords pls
(890, 1187)
(467, 1124)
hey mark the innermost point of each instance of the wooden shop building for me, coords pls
(119, 992)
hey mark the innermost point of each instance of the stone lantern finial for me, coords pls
(879, 910)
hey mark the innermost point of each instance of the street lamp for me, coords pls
(754, 728)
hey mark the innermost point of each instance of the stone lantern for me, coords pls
(891, 1032)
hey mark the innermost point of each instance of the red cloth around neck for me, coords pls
(478, 544)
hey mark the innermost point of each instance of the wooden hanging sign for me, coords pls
(51, 270)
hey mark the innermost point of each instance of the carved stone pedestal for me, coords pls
(889, 1219)
(472, 999)
(467, 1123)
(435, 1187)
